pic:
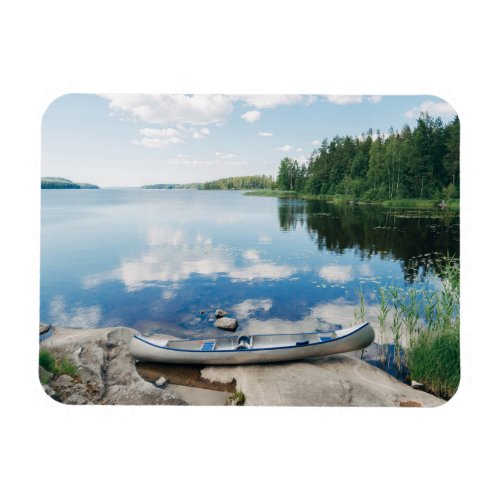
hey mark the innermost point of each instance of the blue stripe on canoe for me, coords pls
(254, 348)
(325, 339)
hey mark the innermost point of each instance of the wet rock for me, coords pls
(220, 313)
(417, 385)
(44, 328)
(227, 324)
(161, 382)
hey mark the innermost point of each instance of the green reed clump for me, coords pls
(47, 360)
(425, 327)
(57, 366)
(434, 360)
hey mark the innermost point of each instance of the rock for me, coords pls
(161, 382)
(44, 328)
(50, 392)
(75, 399)
(417, 385)
(44, 375)
(63, 382)
(220, 313)
(202, 312)
(227, 324)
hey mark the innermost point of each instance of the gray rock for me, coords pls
(63, 382)
(50, 392)
(75, 399)
(161, 382)
(44, 374)
(220, 313)
(417, 385)
(227, 324)
(44, 328)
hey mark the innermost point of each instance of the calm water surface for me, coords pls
(163, 260)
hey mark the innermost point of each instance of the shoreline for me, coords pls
(107, 374)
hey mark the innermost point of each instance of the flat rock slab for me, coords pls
(341, 380)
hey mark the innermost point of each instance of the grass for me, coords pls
(271, 192)
(425, 327)
(237, 398)
(453, 204)
(57, 366)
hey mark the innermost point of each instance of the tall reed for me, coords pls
(425, 327)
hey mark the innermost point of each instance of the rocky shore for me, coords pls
(107, 374)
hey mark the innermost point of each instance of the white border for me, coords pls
(384, 47)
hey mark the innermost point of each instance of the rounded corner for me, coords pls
(51, 104)
(446, 101)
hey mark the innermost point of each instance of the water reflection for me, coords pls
(415, 237)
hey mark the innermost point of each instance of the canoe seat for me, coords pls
(325, 339)
(304, 342)
(208, 346)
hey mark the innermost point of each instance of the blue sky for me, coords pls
(131, 139)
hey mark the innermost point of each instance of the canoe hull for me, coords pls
(347, 340)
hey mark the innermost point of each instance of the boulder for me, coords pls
(44, 375)
(220, 313)
(227, 324)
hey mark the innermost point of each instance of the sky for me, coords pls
(129, 140)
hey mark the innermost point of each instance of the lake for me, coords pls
(161, 261)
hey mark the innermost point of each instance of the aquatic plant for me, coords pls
(425, 326)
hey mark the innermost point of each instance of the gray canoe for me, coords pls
(244, 349)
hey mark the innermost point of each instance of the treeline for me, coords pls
(61, 183)
(246, 182)
(412, 163)
(172, 186)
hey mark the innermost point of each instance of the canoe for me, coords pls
(244, 349)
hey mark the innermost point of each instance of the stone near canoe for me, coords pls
(44, 328)
(161, 382)
(227, 324)
(220, 313)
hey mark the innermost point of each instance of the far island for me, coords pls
(61, 183)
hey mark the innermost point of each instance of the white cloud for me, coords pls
(316, 142)
(159, 138)
(285, 148)
(251, 116)
(163, 109)
(266, 134)
(251, 254)
(226, 156)
(245, 309)
(374, 98)
(299, 149)
(339, 274)
(434, 108)
(345, 99)
(200, 133)
(261, 101)
(79, 317)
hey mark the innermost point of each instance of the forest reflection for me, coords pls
(417, 238)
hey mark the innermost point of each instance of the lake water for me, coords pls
(163, 260)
